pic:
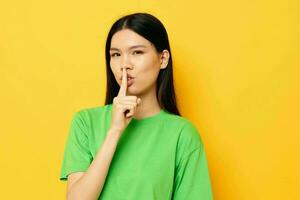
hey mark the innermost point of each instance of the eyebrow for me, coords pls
(132, 47)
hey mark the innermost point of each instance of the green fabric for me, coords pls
(157, 158)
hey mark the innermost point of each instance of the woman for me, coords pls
(136, 146)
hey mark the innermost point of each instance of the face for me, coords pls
(139, 57)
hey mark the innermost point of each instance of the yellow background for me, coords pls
(236, 68)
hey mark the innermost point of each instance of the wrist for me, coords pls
(114, 131)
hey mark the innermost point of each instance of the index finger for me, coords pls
(123, 87)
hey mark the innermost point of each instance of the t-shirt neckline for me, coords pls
(145, 119)
(149, 118)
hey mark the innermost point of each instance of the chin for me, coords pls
(131, 90)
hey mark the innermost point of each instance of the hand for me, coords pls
(124, 107)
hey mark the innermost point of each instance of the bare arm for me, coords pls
(88, 185)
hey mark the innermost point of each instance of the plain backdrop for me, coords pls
(236, 71)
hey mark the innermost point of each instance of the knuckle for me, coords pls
(132, 97)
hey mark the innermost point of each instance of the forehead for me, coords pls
(126, 38)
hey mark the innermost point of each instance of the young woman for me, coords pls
(136, 146)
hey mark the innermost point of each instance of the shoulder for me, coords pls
(90, 112)
(188, 131)
(85, 117)
(189, 137)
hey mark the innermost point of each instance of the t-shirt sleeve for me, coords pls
(192, 179)
(77, 156)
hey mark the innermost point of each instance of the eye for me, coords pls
(113, 54)
(138, 52)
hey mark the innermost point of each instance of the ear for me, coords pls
(165, 55)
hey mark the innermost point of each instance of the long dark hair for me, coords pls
(154, 31)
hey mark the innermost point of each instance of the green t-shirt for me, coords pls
(157, 158)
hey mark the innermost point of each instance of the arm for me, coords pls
(90, 184)
(192, 177)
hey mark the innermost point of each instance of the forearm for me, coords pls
(90, 185)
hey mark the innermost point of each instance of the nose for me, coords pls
(126, 67)
(125, 63)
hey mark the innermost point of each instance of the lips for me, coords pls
(129, 82)
(128, 77)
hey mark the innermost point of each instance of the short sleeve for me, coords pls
(192, 179)
(77, 156)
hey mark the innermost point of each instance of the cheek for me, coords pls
(114, 71)
(147, 75)
(113, 66)
(148, 65)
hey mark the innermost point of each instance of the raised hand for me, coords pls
(124, 107)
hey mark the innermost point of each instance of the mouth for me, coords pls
(128, 77)
(129, 81)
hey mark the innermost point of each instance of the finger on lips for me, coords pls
(123, 87)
